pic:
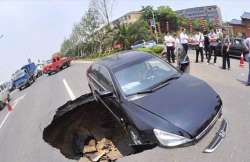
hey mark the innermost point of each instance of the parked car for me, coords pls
(236, 48)
(39, 71)
(143, 44)
(45, 66)
(138, 44)
(155, 104)
(57, 63)
(25, 76)
(150, 44)
(4, 94)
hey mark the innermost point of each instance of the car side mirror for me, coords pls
(184, 65)
(105, 93)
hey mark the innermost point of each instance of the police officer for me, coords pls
(170, 44)
(184, 40)
(206, 44)
(199, 44)
(247, 44)
(213, 37)
(225, 44)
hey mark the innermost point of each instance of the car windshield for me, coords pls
(18, 74)
(143, 75)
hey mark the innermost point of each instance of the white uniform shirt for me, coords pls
(199, 39)
(169, 40)
(213, 39)
(183, 38)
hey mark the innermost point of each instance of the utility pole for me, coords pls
(155, 26)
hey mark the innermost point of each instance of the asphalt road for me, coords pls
(21, 130)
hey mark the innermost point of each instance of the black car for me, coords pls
(236, 49)
(155, 102)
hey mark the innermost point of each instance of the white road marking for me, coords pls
(71, 94)
(9, 112)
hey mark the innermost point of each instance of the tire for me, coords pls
(134, 135)
(20, 89)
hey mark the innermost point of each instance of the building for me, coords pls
(128, 18)
(210, 13)
(241, 27)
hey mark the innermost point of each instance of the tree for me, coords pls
(128, 34)
(104, 8)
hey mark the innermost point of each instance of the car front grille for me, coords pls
(204, 131)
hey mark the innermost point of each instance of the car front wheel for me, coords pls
(134, 135)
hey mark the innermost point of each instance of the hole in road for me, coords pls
(85, 128)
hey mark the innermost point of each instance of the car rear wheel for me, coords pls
(134, 135)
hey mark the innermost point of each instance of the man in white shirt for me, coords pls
(213, 37)
(184, 40)
(247, 44)
(199, 45)
(170, 44)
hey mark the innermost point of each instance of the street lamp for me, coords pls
(155, 26)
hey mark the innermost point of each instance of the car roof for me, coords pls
(122, 58)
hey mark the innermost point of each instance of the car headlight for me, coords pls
(169, 139)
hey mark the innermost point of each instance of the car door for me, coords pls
(236, 48)
(112, 103)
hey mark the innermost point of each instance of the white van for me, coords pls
(4, 94)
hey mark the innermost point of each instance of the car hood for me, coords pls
(186, 102)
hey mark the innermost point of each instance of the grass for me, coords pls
(155, 50)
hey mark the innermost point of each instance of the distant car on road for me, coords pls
(235, 50)
(155, 103)
(25, 76)
(143, 44)
(39, 71)
(4, 94)
(57, 63)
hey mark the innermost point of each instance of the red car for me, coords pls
(57, 63)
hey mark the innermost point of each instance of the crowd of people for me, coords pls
(203, 42)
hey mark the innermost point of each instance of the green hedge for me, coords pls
(154, 50)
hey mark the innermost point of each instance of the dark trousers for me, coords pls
(212, 52)
(207, 50)
(199, 50)
(248, 81)
(185, 46)
(225, 58)
(170, 53)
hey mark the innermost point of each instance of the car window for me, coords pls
(101, 75)
(143, 75)
(105, 78)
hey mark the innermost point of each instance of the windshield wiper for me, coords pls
(158, 86)
(165, 82)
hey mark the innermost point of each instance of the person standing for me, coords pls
(170, 43)
(184, 40)
(225, 45)
(206, 44)
(199, 45)
(247, 44)
(213, 43)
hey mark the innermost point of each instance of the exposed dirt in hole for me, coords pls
(81, 121)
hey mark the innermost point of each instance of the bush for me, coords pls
(154, 50)
(157, 49)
